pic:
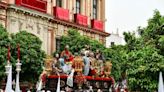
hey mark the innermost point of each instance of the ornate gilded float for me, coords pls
(100, 80)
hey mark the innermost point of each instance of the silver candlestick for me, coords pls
(7, 67)
(18, 69)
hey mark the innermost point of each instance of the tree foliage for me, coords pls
(77, 42)
(145, 55)
(4, 43)
(31, 55)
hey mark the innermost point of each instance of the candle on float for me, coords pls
(18, 52)
(8, 54)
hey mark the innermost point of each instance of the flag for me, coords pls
(58, 85)
(70, 78)
(160, 84)
(9, 80)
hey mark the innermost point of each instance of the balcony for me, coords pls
(33, 4)
(61, 13)
(96, 24)
(81, 19)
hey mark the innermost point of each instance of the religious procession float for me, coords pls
(86, 71)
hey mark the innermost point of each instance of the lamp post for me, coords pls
(18, 69)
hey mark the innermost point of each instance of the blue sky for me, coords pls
(127, 15)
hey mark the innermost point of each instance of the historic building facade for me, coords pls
(50, 19)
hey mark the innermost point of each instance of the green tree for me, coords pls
(77, 42)
(4, 43)
(31, 55)
(145, 55)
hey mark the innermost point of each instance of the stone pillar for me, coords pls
(64, 2)
(103, 12)
(71, 8)
(88, 11)
(74, 6)
(91, 9)
(98, 9)
(53, 3)
(49, 42)
(82, 7)
(49, 6)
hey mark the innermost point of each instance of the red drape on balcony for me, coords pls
(81, 19)
(33, 4)
(61, 13)
(96, 24)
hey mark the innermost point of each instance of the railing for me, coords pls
(33, 4)
(96, 24)
(81, 19)
(61, 13)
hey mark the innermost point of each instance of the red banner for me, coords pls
(33, 4)
(96, 24)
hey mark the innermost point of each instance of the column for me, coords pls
(88, 9)
(70, 7)
(49, 42)
(82, 7)
(103, 12)
(52, 41)
(49, 7)
(53, 3)
(91, 8)
(98, 9)
(74, 6)
(64, 2)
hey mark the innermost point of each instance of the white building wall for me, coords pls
(116, 39)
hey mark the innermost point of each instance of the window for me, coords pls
(58, 44)
(94, 9)
(77, 6)
(112, 43)
(59, 3)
